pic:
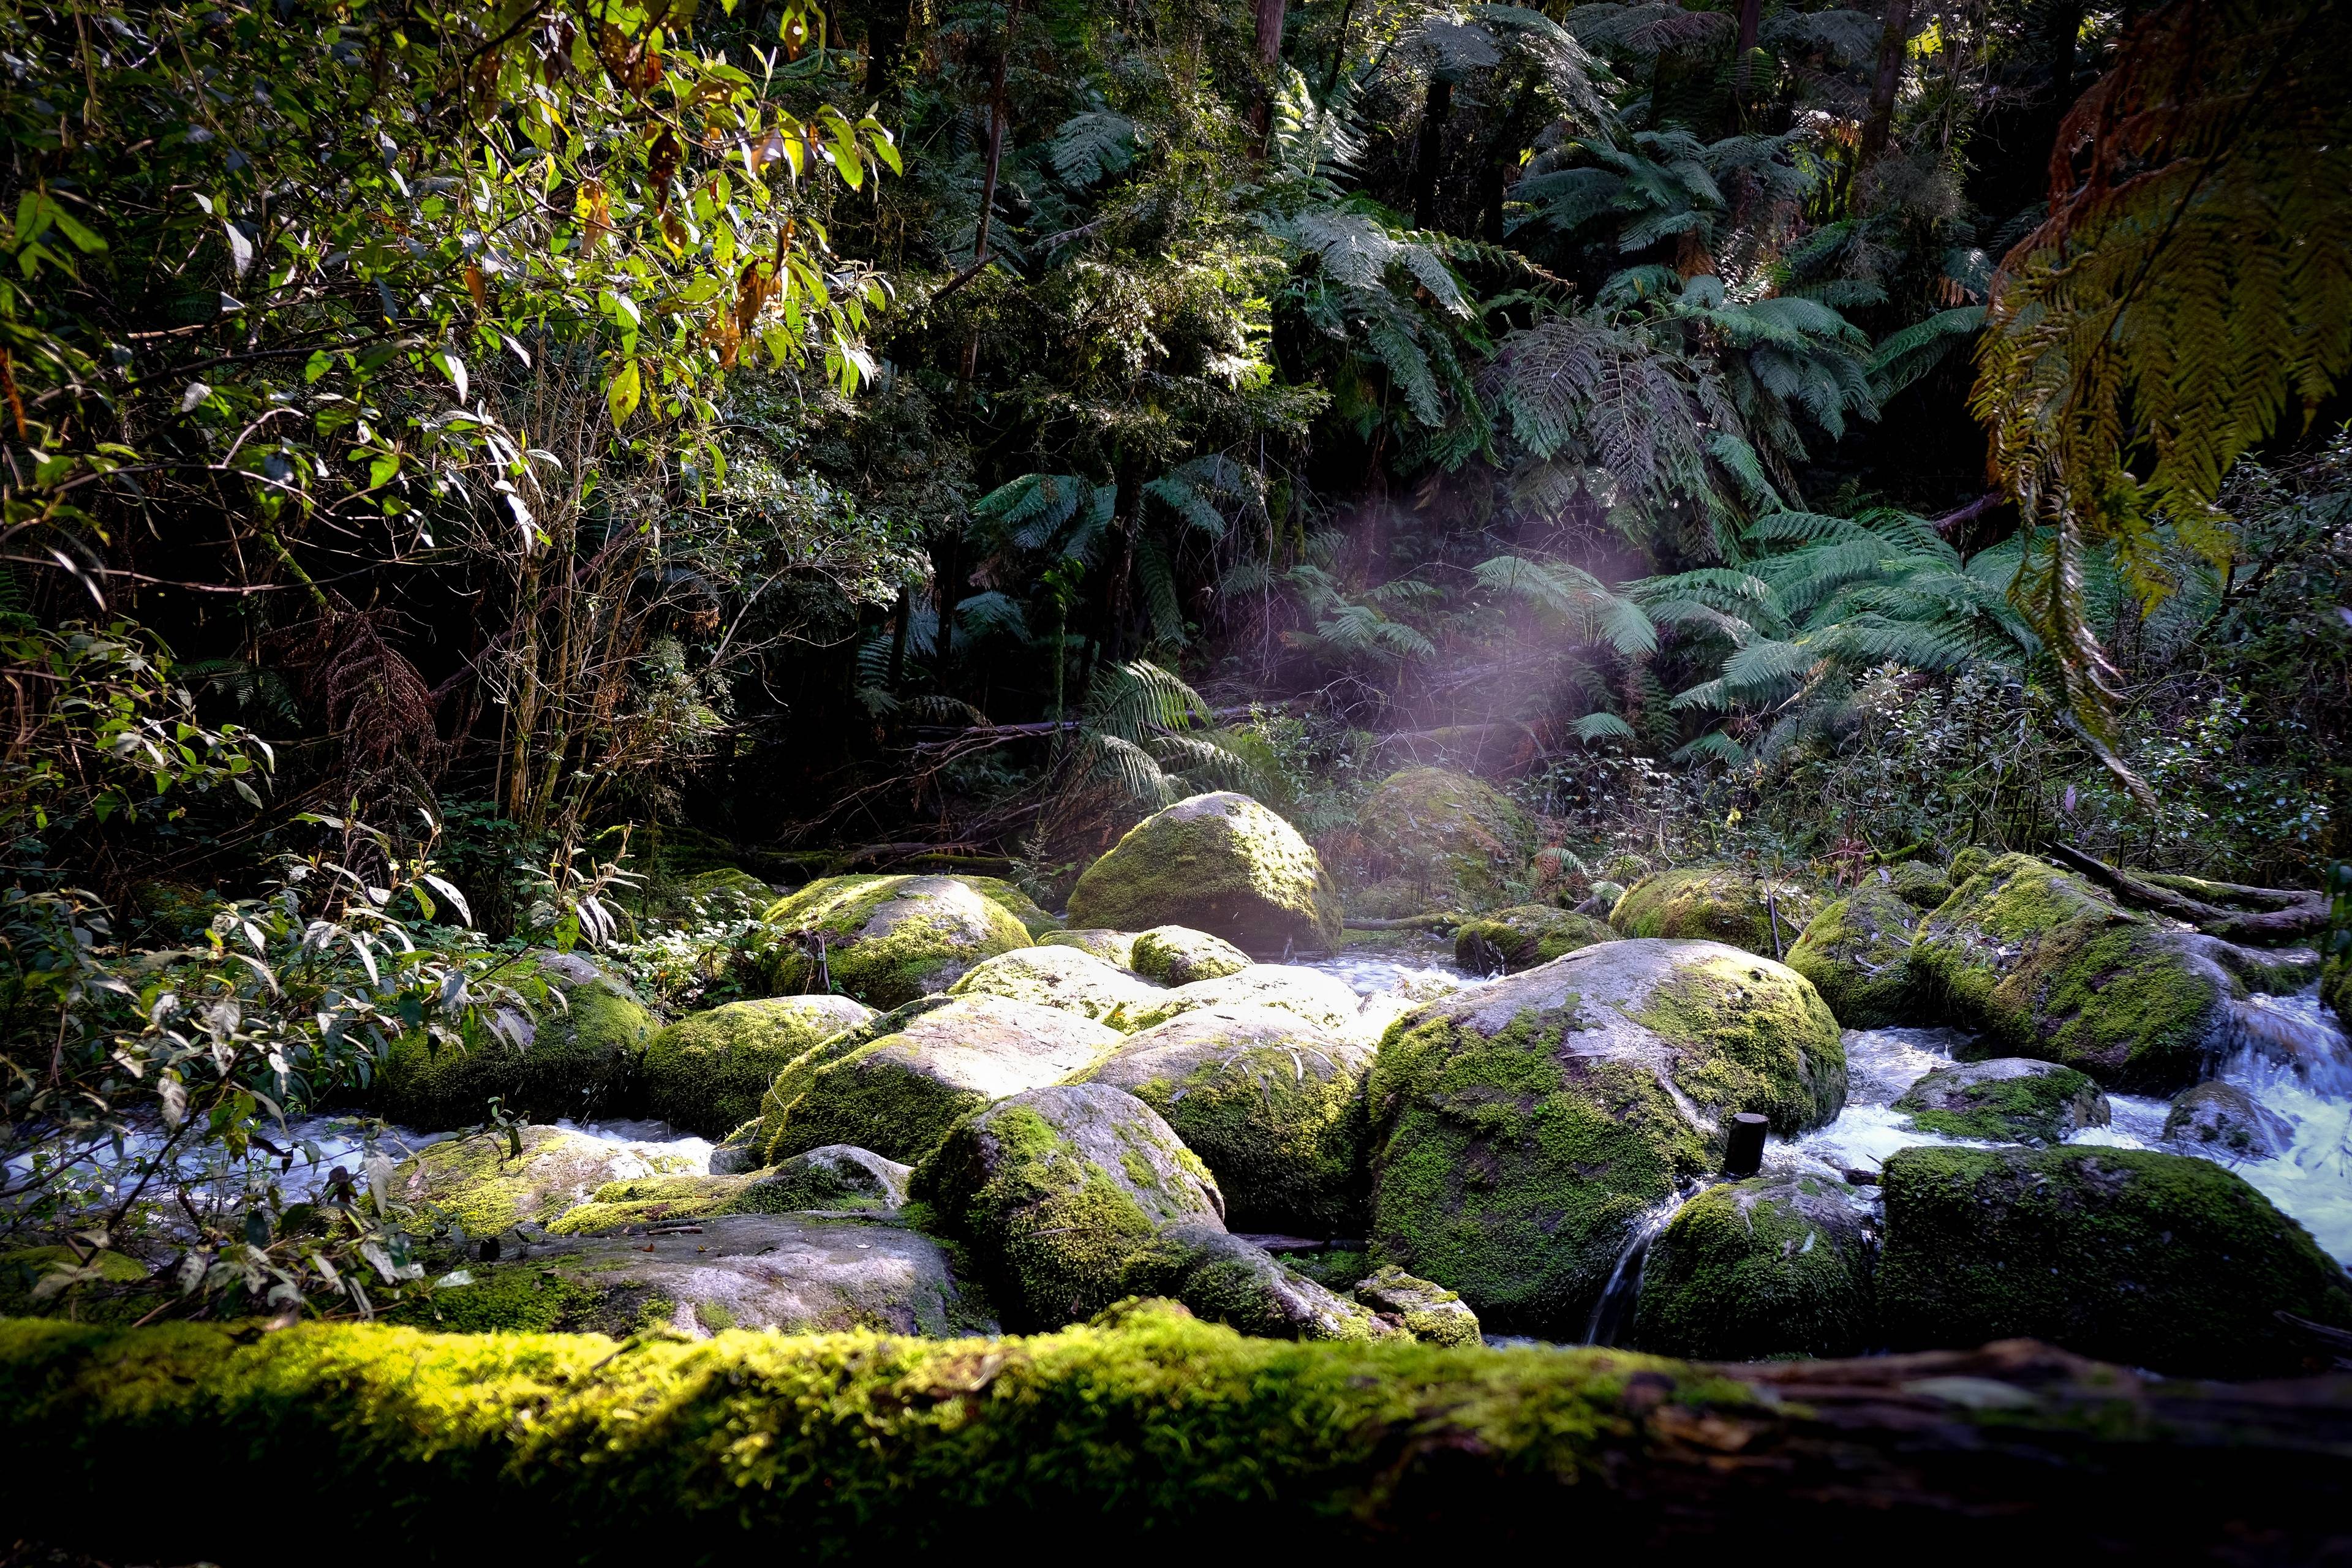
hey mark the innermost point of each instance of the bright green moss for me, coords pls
(1756, 1037)
(1511, 1177)
(889, 939)
(584, 1049)
(1524, 936)
(707, 1073)
(1219, 863)
(2157, 1260)
(1771, 1266)
(1429, 1311)
(1033, 916)
(1717, 903)
(1919, 883)
(1287, 1144)
(515, 1299)
(1176, 955)
(1857, 954)
(2034, 1103)
(473, 1183)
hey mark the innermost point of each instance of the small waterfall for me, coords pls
(1612, 1314)
(2300, 1034)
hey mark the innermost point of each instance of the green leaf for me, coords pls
(623, 392)
(317, 365)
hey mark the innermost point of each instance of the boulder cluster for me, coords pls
(962, 1113)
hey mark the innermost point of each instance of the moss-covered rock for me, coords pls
(1110, 946)
(1062, 1193)
(2157, 1260)
(1178, 955)
(1219, 863)
(1036, 920)
(2042, 964)
(1524, 936)
(1272, 1103)
(797, 1273)
(833, 1179)
(1775, 1265)
(1067, 978)
(2006, 1100)
(1223, 1278)
(1321, 999)
(897, 1084)
(706, 1073)
(1455, 841)
(1857, 954)
(1728, 904)
(2335, 989)
(1922, 884)
(474, 1182)
(889, 939)
(1520, 1129)
(1967, 861)
(1424, 1308)
(576, 1055)
(2222, 1122)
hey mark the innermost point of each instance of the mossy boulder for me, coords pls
(1857, 954)
(796, 1273)
(1219, 863)
(1422, 1308)
(476, 1182)
(887, 940)
(897, 1084)
(833, 1179)
(1067, 978)
(2157, 1260)
(1034, 918)
(1520, 1129)
(1323, 1000)
(1728, 904)
(1523, 936)
(1110, 946)
(1223, 1278)
(685, 893)
(1775, 1265)
(2042, 964)
(1274, 1104)
(2006, 1100)
(2222, 1122)
(1062, 1193)
(1178, 955)
(706, 1073)
(1967, 861)
(575, 1055)
(1922, 884)
(1455, 841)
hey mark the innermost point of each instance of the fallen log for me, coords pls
(2292, 913)
(1151, 1430)
(1438, 922)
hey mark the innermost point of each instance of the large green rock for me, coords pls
(2157, 1260)
(1520, 1128)
(706, 1073)
(1455, 842)
(1219, 863)
(1178, 955)
(1063, 1194)
(1069, 978)
(1717, 903)
(1523, 936)
(1321, 999)
(2006, 1100)
(897, 1084)
(575, 1055)
(889, 939)
(480, 1183)
(1422, 1308)
(1272, 1103)
(795, 1273)
(2042, 964)
(1777, 1265)
(1857, 954)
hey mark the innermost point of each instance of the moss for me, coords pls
(2157, 1260)
(1034, 917)
(889, 939)
(473, 1181)
(1333, 1267)
(1754, 1037)
(1219, 863)
(1176, 955)
(1919, 883)
(707, 1073)
(501, 1300)
(1771, 1266)
(1717, 903)
(1110, 946)
(2044, 965)
(1967, 862)
(1857, 954)
(2006, 1100)
(1067, 978)
(1457, 843)
(1524, 936)
(1429, 1311)
(581, 1060)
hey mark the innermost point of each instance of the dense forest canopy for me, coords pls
(470, 470)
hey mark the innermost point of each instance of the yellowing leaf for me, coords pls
(623, 393)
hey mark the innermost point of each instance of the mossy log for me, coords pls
(2278, 914)
(1154, 1430)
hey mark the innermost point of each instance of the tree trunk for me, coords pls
(1880, 126)
(1269, 57)
(1431, 148)
(1752, 20)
